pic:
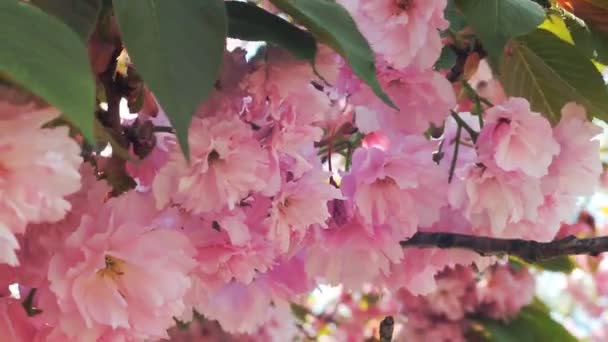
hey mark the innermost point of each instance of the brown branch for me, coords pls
(530, 251)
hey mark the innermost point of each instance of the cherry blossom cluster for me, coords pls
(297, 176)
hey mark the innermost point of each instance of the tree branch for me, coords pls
(530, 251)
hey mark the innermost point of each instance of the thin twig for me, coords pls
(455, 156)
(530, 251)
(472, 133)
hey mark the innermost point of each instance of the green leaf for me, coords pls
(331, 24)
(562, 264)
(454, 16)
(593, 43)
(447, 59)
(44, 55)
(177, 47)
(532, 324)
(497, 21)
(80, 15)
(549, 73)
(246, 21)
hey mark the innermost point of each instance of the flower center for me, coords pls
(212, 157)
(113, 269)
(403, 5)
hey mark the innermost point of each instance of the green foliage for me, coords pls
(497, 21)
(247, 21)
(46, 57)
(177, 47)
(592, 42)
(79, 15)
(549, 73)
(563, 264)
(331, 24)
(447, 59)
(532, 324)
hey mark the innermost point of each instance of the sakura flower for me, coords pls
(405, 32)
(300, 204)
(493, 198)
(119, 271)
(423, 98)
(38, 168)
(15, 325)
(400, 186)
(226, 165)
(517, 139)
(577, 168)
(496, 292)
(349, 254)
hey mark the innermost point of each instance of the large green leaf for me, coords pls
(532, 324)
(246, 21)
(550, 72)
(45, 56)
(331, 24)
(177, 47)
(592, 42)
(497, 21)
(80, 15)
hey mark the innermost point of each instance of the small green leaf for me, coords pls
(45, 56)
(246, 21)
(447, 59)
(562, 264)
(497, 21)
(177, 47)
(454, 16)
(331, 24)
(532, 324)
(549, 73)
(80, 15)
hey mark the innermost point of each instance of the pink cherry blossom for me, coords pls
(517, 139)
(400, 186)
(38, 168)
(120, 271)
(577, 168)
(226, 165)
(300, 203)
(405, 32)
(15, 325)
(351, 255)
(423, 98)
(496, 293)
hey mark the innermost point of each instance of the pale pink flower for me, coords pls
(351, 255)
(243, 308)
(121, 271)
(38, 169)
(517, 139)
(401, 187)
(15, 325)
(229, 247)
(577, 168)
(299, 204)
(486, 85)
(495, 199)
(496, 293)
(226, 165)
(282, 82)
(41, 241)
(405, 32)
(423, 98)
